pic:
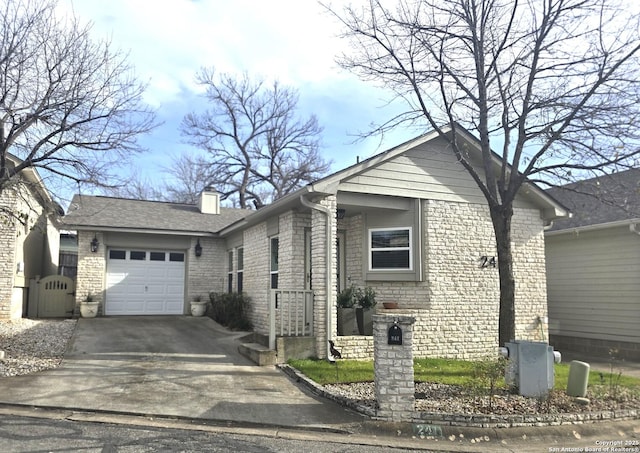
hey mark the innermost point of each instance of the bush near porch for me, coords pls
(230, 310)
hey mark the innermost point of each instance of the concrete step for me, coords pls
(258, 353)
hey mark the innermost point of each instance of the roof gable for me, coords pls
(435, 173)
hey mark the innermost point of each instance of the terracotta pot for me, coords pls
(390, 305)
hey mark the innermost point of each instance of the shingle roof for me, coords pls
(604, 199)
(120, 213)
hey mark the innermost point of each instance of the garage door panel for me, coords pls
(145, 287)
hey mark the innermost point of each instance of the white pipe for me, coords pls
(329, 253)
(633, 227)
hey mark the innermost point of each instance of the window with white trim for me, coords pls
(390, 249)
(240, 267)
(273, 269)
(230, 272)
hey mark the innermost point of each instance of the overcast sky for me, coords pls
(294, 41)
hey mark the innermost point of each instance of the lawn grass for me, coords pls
(443, 371)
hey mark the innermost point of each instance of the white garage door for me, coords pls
(144, 282)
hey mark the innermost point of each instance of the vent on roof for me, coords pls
(209, 202)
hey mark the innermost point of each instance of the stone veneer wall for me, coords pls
(256, 275)
(318, 279)
(91, 269)
(23, 240)
(7, 253)
(530, 272)
(206, 273)
(456, 305)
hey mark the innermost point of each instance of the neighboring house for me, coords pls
(29, 239)
(593, 267)
(410, 222)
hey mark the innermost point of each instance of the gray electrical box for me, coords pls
(530, 367)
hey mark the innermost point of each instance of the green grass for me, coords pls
(443, 371)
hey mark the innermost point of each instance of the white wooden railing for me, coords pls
(290, 314)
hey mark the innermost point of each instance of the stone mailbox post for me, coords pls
(393, 363)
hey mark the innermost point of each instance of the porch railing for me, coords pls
(290, 314)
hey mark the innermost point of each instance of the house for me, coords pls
(593, 267)
(29, 238)
(409, 222)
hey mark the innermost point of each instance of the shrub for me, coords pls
(231, 310)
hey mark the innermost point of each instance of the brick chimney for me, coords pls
(209, 202)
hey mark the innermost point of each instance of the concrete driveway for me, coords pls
(170, 366)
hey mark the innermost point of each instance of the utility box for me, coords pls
(530, 367)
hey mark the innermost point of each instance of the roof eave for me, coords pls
(102, 228)
(598, 226)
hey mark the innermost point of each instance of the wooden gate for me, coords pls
(55, 296)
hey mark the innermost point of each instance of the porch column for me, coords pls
(321, 263)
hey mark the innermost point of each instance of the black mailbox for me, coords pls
(395, 335)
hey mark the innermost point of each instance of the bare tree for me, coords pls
(69, 106)
(190, 175)
(257, 149)
(551, 85)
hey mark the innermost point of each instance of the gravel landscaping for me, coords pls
(455, 399)
(33, 345)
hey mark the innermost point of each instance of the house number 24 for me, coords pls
(487, 261)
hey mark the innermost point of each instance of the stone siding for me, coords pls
(456, 305)
(256, 275)
(23, 235)
(318, 279)
(91, 269)
(7, 252)
(206, 273)
(355, 347)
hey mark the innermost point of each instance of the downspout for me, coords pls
(329, 253)
(633, 227)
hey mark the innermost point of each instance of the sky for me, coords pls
(293, 41)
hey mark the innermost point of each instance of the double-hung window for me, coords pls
(390, 249)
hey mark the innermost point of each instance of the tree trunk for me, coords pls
(501, 218)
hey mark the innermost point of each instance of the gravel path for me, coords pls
(33, 345)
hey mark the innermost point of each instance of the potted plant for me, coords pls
(89, 307)
(346, 312)
(198, 306)
(366, 300)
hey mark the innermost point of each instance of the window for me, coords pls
(275, 243)
(157, 256)
(230, 272)
(175, 256)
(138, 256)
(117, 254)
(390, 249)
(240, 265)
